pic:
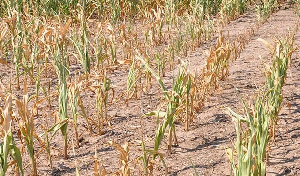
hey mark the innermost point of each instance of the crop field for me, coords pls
(149, 87)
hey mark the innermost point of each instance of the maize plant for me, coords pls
(8, 146)
(74, 94)
(17, 41)
(38, 85)
(170, 9)
(102, 94)
(216, 69)
(148, 162)
(198, 7)
(57, 7)
(171, 56)
(191, 32)
(252, 143)
(132, 78)
(189, 100)
(99, 170)
(26, 125)
(84, 113)
(124, 158)
(161, 63)
(160, 24)
(175, 105)
(112, 44)
(62, 71)
(47, 145)
(265, 8)
(100, 53)
(276, 74)
(82, 44)
(116, 11)
(231, 9)
(60, 63)
(211, 6)
(148, 77)
(178, 44)
(208, 29)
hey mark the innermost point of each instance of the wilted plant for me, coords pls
(47, 144)
(124, 157)
(74, 94)
(252, 143)
(208, 29)
(265, 8)
(102, 93)
(216, 67)
(116, 11)
(76, 162)
(111, 43)
(171, 56)
(8, 146)
(178, 44)
(191, 32)
(148, 161)
(276, 74)
(152, 35)
(189, 100)
(160, 24)
(132, 78)
(38, 84)
(84, 113)
(3, 40)
(100, 52)
(170, 10)
(82, 44)
(26, 125)
(231, 9)
(17, 41)
(113, 52)
(175, 104)
(198, 8)
(148, 76)
(62, 71)
(99, 170)
(103, 90)
(161, 63)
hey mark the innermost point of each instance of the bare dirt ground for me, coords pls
(212, 130)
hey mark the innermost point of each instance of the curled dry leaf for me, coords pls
(7, 113)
